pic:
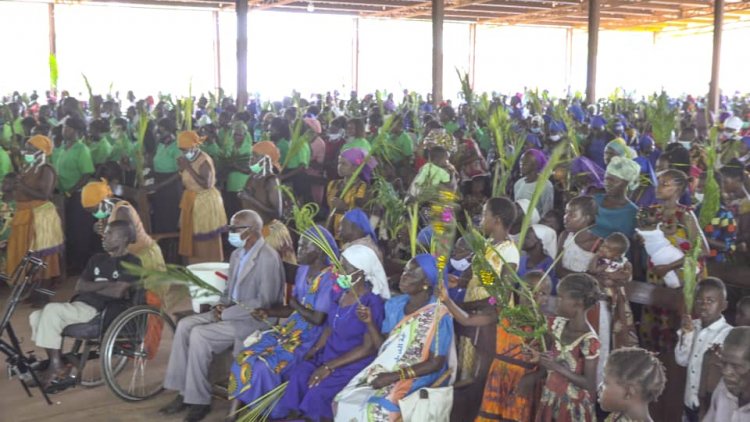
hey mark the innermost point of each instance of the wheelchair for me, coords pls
(128, 339)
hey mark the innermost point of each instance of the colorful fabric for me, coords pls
(276, 234)
(358, 191)
(72, 164)
(619, 147)
(563, 401)
(36, 226)
(539, 157)
(356, 156)
(359, 143)
(721, 228)
(411, 340)
(625, 169)
(260, 367)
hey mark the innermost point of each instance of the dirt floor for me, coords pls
(78, 404)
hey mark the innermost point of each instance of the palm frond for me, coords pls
(711, 191)
(53, 72)
(663, 119)
(139, 150)
(259, 410)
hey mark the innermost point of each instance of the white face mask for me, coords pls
(698, 197)
(191, 154)
(235, 239)
(555, 138)
(460, 264)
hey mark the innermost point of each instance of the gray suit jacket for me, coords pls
(260, 284)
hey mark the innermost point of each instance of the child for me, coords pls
(659, 249)
(578, 243)
(698, 336)
(730, 401)
(438, 173)
(532, 163)
(742, 316)
(615, 320)
(508, 392)
(633, 378)
(569, 390)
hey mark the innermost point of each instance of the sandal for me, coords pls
(62, 380)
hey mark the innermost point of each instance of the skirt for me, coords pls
(36, 226)
(202, 220)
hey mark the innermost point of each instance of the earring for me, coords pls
(425, 287)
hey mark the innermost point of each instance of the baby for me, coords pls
(610, 266)
(659, 249)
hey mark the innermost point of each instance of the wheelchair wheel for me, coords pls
(91, 376)
(142, 337)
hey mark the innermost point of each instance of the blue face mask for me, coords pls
(103, 211)
(235, 239)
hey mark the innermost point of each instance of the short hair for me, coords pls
(580, 286)
(76, 123)
(359, 126)
(167, 124)
(538, 276)
(739, 337)
(437, 152)
(712, 283)
(503, 208)
(125, 227)
(251, 217)
(678, 177)
(638, 367)
(619, 240)
(734, 169)
(586, 203)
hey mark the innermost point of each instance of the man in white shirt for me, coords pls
(731, 399)
(698, 336)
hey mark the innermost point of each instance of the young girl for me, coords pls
(508, 396)
(633, 378)
(532, 163)
(578, 243)
(570, 363)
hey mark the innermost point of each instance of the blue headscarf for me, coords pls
(557, 127)
(361, 220)
(534, 140)
(424, 237)
(598, 122)
(645, 142)
(327, 236)
(428, 264)
(577, 113)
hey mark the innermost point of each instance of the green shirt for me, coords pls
(451, 127)
(122, 148)
(403, 148)
(360, 143)
(5, 165)
(9, 130)
(100, 151)
(301, 158)
(165, 159)
(236, 180)
(72, 164)
(211, 149)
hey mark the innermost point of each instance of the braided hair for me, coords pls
(581, 286)
(638, 367)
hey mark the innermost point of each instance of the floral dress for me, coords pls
(259, 368)
(563, 401)
(658, 325)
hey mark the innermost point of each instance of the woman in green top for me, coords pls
(167, 188)
(74, 167)
(99, 145)
(355, 136)
(238, 154)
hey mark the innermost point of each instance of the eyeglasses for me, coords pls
(234, 229)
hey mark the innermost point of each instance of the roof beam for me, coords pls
(689, 14)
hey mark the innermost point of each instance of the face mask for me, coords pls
(619, 129)
(29, 158)
(555, 138)
(191, 154)
(260, 166)
(235, 239)
(335, 136)
(536, 129)
(103, 211)
(344, 281)
(698, 197)
(460, 264)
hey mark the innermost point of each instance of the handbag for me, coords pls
(428, 405)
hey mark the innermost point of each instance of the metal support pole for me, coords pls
(241, 9)
(594, 13)
(217, 51)
(714, 98)
(52, 36)
(438, 13)
(472, 53)
(355, 56)
(568, 60)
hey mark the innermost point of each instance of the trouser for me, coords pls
(80, 240)
(197, 339)
(47, 324)
(690, 414)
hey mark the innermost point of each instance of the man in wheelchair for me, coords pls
(104, 280)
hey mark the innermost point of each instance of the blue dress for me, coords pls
(611, 220)
(542, 266)
(259, 368)
(347, 333)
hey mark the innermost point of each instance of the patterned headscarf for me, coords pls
(356, 156)
(620, 148)
(625, 169)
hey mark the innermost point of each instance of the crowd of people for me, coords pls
(357, 316)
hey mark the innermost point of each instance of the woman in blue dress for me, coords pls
(345, 347)
(260, 367)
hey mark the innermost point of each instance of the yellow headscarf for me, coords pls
(42, 143)
(94, 193)
(268, 148)
(188, 139)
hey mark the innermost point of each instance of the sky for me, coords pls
(152, 50)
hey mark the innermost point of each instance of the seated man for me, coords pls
(103, 281)
(256, 280)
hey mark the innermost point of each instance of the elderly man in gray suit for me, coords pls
(256, 280)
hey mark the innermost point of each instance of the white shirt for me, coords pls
(690, 350)
(724, 407)
(525, 190)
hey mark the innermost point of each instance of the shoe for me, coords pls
(175, 406)
(197, 412)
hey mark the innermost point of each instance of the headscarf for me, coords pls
(424, 237)
(356, 156)
(313, 124)
(428, 264)
(577, 113)
(541, 159)
(533, 139)
(645, 142)
(598, 122)
(524, 204)
(548, 237)
(188, 139)
(94, 193)
(620, 148)
(583, 165)
(440, 138)
(363, 258)
(360, 219)
(557, 127)
(625, 169)
(270, 150)
(42, 143)
(746, 141)
(327, 236)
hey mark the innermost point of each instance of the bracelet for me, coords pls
(401, 374)
(411, 372)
